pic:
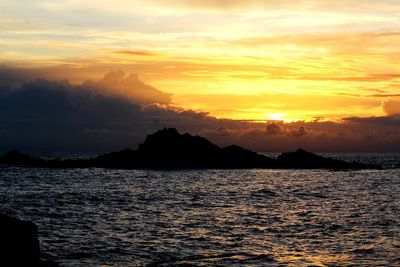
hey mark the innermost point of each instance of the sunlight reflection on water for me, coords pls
(88, 217)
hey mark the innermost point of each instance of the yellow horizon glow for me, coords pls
(244, 60)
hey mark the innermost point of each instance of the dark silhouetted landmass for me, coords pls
(19, 243)
(168, 149)
(14, 157)
(302, 159)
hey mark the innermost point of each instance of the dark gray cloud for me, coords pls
(101, 116)
(300, 132)
(56, 115)
(16, 76)
(385, 122)
(273, 129)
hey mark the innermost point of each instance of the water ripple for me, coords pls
(93, 217)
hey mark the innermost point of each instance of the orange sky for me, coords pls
(249, 60)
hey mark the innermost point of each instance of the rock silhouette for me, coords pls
(302, 159)
(14, 157)
(168, 149)
(19, 244)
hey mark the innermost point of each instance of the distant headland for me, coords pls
(168, 149)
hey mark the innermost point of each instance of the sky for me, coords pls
(270, 75)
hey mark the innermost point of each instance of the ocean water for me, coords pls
(102, 217)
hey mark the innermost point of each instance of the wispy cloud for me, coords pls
(134, 53)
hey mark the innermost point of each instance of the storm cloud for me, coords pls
(56, 115)
(118, 111)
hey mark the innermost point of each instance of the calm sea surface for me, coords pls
(93, 217)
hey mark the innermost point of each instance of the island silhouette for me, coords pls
(168, 149)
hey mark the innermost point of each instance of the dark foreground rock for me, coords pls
(19, 243)
(168, 149)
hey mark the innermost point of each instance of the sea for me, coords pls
(254, 217)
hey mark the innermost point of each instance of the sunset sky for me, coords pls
(256, 61)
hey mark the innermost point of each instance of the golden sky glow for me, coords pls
(248, 60)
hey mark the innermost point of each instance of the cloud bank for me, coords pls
(93, 116)
(117, 111)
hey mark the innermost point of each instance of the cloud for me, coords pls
(11, 76)
(300, 132)
(334, 43)
(388, 122)
(302, 105)
(130, 87)
(273, 129)
(216, 4)
(134, 53)
(286, 129)
(115, 83)
(392, 107)
(343, 5)
(56, 115)
(59, 116)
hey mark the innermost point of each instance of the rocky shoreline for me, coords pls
(168, 149)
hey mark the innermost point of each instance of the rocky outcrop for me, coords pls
(19, 244)
(14, 157)
(302, 159)
(168, 149)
